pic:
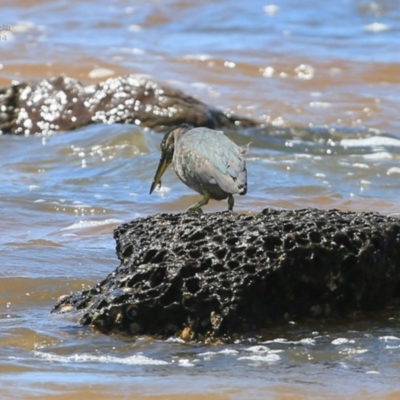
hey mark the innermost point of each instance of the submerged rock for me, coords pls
(214, 276)
(64, 104)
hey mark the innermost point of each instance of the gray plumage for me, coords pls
(206, 161)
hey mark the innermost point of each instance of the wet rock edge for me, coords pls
(216, 276)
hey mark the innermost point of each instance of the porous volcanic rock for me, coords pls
(214, 276)
(64, 104)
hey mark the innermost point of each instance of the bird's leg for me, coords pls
(231, 202)
(200, 203)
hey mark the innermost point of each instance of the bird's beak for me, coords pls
(162, 166)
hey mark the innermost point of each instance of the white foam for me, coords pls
(271, 9)
(269, 358)
(100, 73)
(339, 341)
(305, 341)
(23, 26)
(228, 352)
(134, 28)
(304, 71)
(382, 155)
(372, 141)
(89, 224)
(161, 190)
(320, 104)
(137, 359)
(200, 57)
(393, 170)
(388, 338)
(209, 354)
(365, 183)
(184, 362)
(258, 349)
(267, 71)
(175, 340)
(360, 165)
(376, 27)
(349, 352)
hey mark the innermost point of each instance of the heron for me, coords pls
(206, 161)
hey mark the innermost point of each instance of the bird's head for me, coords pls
(167, 147)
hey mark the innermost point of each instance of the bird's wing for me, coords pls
(219, 161)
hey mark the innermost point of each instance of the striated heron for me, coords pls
(206, 161)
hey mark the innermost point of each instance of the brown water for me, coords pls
(330, 67)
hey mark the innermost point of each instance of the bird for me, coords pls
(206, 161)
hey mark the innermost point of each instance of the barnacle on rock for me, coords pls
(63, 104)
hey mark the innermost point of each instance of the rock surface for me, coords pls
(214, 276)
(64, 104)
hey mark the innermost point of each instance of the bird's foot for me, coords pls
(196, 210)
(231, 202)
(197, 206)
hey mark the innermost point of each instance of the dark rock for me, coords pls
(218, 275)
(64, 104)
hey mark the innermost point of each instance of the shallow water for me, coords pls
(325, 83)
